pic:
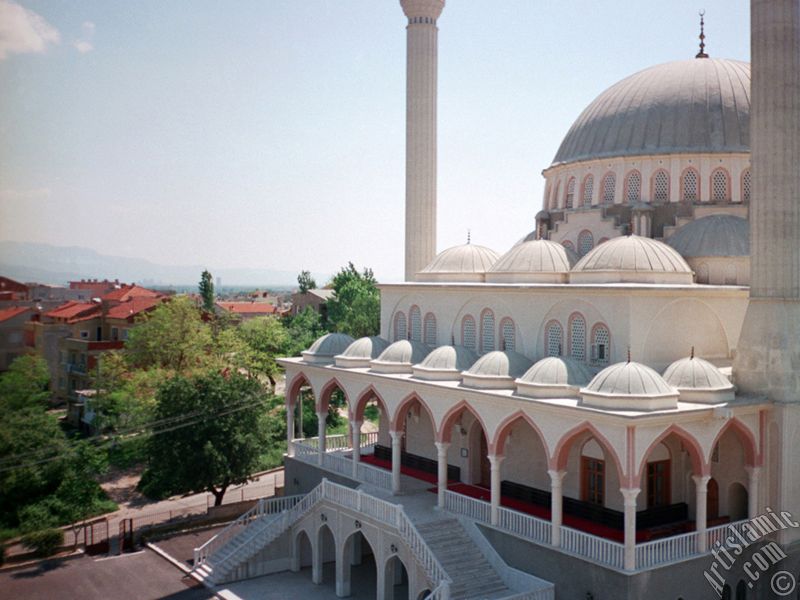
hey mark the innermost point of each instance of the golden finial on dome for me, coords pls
(702, 53)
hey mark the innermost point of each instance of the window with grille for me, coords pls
(487, 331)
(719, 186)
(588, 189)
(746, 184)
(555, 339)
(577, 344)
(400, 331)
(601, 344)
(508, 331)
(609, 187)
(430, 329)
(468, 332)
(690, 180)
(661, 187)
(415, 319)
(570, 198)
(633, 187)
(585, 242)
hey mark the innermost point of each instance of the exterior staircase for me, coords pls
(472, 575)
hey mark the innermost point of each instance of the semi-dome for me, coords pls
(629, 386)
(325, 348)
(698, 380)
(696, 106)
(632, 259)
(400, 357)
(467, 263)
(714, 235)
(446, 362)
(361, 352)
(536, 261)
(496, 370)
(554, 377)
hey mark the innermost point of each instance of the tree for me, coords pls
(221, 443)
(355, 308)
(303, 329)
(267, 339)
(24, 384)
(306, 281)
(206, 288)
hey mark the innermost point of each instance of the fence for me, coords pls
(337, 462)
(593, 547)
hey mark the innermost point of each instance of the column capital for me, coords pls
(322, 414)
(701, 482)
(495, 460)
(356, 423)
(753, 471)
(442, 447)
(556, 477)
(396, 435)
(630, 494)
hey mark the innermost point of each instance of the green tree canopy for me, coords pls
(206, 288)
(306, 281)
(302, 329)
(355, 308)
(24, 384)
(267, 339)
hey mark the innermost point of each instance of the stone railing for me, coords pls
(586, 545)
(338, 463)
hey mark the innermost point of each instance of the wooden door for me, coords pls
(658, 483)
(486, 467)
(712, 500)
(593, 480)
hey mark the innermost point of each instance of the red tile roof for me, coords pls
(14, 311)
(72, 311)
(131, 308)
(248, 308)
(126, 292)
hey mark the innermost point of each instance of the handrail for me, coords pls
(440, 592)
(342, 465)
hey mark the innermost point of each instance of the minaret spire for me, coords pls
(702, 53)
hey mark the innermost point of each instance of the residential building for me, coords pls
(317, 299)
(13, 342)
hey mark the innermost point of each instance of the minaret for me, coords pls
(421, 66)
(768, 352)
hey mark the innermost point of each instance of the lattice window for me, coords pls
(719, 186)
(577, 342)
(746, 185)
(555, 339)
(400, 329)
(585, 242)
(568, 244)
(609, 188)
(487, 331)
(415, 319)
(661, 187)
(569, 200)
(588, 189)
(690, 181)
(429, 326)
(508, 332)
(633, 187)
(468, 333)
(601, 344)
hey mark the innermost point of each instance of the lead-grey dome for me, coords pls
(325, 348)
(399, 357)
(554, 377)
(361, 352)
(714, 235)
(697, 105)
(446, 362)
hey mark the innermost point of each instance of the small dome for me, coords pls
(554, 377)
(698, 380)
(399, 357)
(361, 352)
(446, 362)
(466, 263)
(537, 261)
(629, 386)
(632, 259)
(325, 348)
(714, 235)
(496, 369)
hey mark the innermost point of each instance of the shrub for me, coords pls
(44, 542)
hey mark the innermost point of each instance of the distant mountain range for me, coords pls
(44, 263)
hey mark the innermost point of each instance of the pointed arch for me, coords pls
(293, 389)
(699, 465)
(507, 424)
(402, 408)
(561, 453)
(357, 409)
(445, 431)
(325, 395)
(752, 456)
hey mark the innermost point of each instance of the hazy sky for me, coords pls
(270, 133)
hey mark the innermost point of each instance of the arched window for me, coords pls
(429, 325)
(554, 203)
(609, 187)
(487, 331)
(568, 244)
(601, 344)
(690, 186)
(577, 337)
(569, 199)
(588, 189)
(508, 335)
(661, 187)
(633, 187)
(746, 185)
(585, 242)
(468, 332)
(719, 186)
(400, 330)
(553, 339)
(415, 323)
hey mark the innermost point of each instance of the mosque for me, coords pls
(601, 411)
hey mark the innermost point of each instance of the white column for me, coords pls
(355, 428)
(441, 484)
(290, 428)
(556, 504)
(397, 438)
(701, 510)
(342, 574)
(630, 494)
(753, 479)
(495, 460)
(316, 562)
(321, 416)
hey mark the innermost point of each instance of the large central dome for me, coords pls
(697, 106)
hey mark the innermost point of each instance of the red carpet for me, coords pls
(387, 464)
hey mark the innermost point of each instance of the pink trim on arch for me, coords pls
(325, 395)
(508, 423)
(293, 389)
(444, 433)
(626, 181)
(357, 410)
(728, 184)
(569, 333)
(402, 409)
(752, 456)
(699, 465)
(558, 461)
(653, 185)
(682, 190)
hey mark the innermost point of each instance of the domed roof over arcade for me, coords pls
(554, 377)
(400, 357)
(629, 386)
(698, 380)
(467, 263)
(538, 261)
(361, 352)
(325, 348)
(497, 369)
(696, 106)
(446, 362)
(714, 235)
